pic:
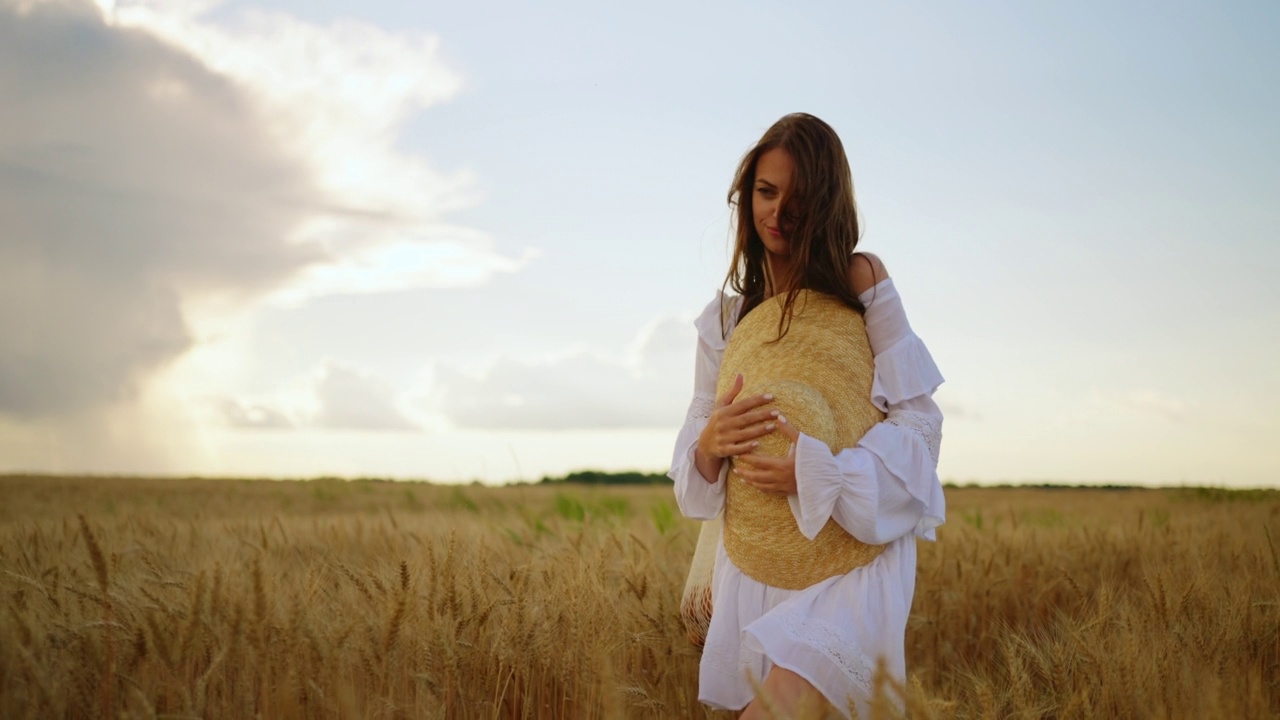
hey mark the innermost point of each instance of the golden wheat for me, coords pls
(330, 599)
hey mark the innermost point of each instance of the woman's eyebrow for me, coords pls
(762, 181)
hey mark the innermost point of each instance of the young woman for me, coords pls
(797, 230)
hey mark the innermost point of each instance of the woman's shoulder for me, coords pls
(865, 272)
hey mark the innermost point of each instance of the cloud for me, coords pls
(333, 396)
(352, 400)
(648, 386)
(129, 175)
(151, 157)
(467, 260)
(341, 92)
(957, 411)
(251, 415)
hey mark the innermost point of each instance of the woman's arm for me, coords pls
(887, 485)
(882, 489)
(714, 428)
(698, 496)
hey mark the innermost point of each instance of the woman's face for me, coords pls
(773, 181)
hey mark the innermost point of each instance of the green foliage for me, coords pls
(973, 518)
(1159, 517)
(664, 516)
(1042, 517)
(597, 477)
(324, 491)
(459, 500)
(1220, 494)
(1275, 557)
(411, 500)
(570, 508)
(616, 507)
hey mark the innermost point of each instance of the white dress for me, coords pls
(883, 491)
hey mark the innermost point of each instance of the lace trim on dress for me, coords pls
(701, 407)
(730, 665)
(835, 645)
(922, 425)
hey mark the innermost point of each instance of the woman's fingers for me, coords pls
(760, 467)
(765, 473)
(734, 420)
(752, 432)
(733, 444)
(759, 425)
(790, 431)
(745, 440)
(739, 422)
(747, 404)
(740, 448)
(732, 393)
(762, 480)
(754, 417)
(762, 423)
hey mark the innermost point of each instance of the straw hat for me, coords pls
(820, 375)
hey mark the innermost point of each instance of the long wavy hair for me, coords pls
(818, 212)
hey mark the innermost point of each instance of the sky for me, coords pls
(467, 241)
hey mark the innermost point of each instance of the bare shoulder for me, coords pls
(865, 270)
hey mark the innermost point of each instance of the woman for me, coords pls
(797, 230)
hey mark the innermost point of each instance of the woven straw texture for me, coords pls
(820, 374)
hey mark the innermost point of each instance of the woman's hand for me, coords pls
(734, 428)
(772, 474)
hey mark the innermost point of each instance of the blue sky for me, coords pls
(467, 241)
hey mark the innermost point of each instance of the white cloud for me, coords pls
(353, 400)
(163, 170)
(116, 205)
(333, 397)
(957, 411)
(253, 415)
(338, 95)
(466, 259)
(647, 386)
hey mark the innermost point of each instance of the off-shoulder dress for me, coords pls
(883, 491)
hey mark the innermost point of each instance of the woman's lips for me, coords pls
(773, 231)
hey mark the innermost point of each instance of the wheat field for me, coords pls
(197, 598)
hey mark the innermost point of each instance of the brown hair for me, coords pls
(819, 212)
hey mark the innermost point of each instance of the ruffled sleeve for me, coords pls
(887, 486)
(696, 497)
(904, 367)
